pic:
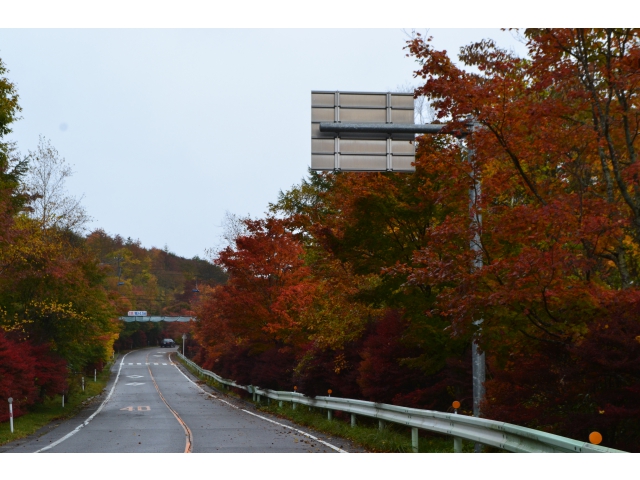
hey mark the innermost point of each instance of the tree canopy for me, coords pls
(380, 300)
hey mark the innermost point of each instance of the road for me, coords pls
(152, 404)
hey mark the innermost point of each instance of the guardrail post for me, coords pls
(329, 415)
(293, 405)
(457, 445)
(280, 404)
(254, 396)
(380, 425)
(414, 439)
(353, 420)
(259, 398)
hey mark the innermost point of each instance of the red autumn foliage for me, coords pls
(577, 388)
(17, 372)
(28, 374)
(381, 376)
(326, 370)
(383, 260)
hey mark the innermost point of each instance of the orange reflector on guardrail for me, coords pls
(595, 438)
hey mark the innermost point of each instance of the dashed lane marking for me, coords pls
(148, 363)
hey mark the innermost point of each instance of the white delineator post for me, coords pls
(10, 400)
(83, 384)
(94, 374)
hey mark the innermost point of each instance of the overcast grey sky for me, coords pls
(168, 129)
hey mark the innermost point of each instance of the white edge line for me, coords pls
(337, 449)
(86, 422)
(296, 430)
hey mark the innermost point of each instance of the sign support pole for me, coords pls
(366, 127)
(477, 356)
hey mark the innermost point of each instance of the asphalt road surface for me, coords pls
(152, 404)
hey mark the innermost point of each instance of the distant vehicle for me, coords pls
(167, 342)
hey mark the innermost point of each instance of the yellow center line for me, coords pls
(187, 431)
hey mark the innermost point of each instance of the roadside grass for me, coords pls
(390, 439)
(51, 409)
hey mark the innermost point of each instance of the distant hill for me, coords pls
(151, 279)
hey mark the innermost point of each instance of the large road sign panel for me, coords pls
(358, 151)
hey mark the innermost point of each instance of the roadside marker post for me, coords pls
(94, 374)
(83, 384)
(184, 344)
(457, 441)
(10, 400)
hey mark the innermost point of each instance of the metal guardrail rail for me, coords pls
(502, 435)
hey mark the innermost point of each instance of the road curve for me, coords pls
(155, 405)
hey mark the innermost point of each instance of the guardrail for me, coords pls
(502, 435)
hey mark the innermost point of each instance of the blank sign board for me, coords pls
(359, 151)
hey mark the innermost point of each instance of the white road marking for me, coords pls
(337, 449)
(164, 363)
(296, 430)
(155, 364)
(130, 363)
(139, 364)
(135, 376)
(135, 384)
(86, 422)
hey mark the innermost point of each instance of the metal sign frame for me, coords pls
(361, 149)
